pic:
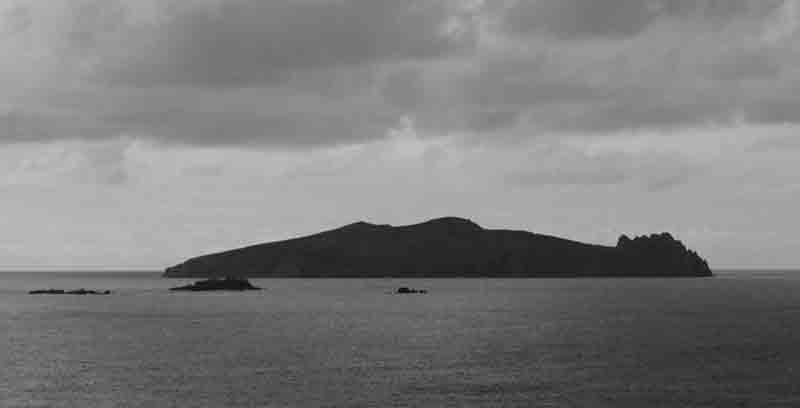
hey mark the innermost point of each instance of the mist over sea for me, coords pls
(730, 340)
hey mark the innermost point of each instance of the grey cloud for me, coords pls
(507, 91)
(644, 109)
(778, 109)
(677, 76)
(717, 10)
(305, 73)
(745, 64)
(549, 97)
(302, 129)
(404, 88)
(245, 42)
(582, 19)
(103, 162)
(92, 22)
(285, 116)
(567, 177)
(562, 165)
(778, 143)
(493, 89)
(672, 178)
(15, 20)
(32, 126)
(267, 116)
(486, 121)
(653, 172)
(666, 109)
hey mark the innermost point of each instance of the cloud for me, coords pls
(15, 20)
(305, 74)
(288, 74)
(565, 166)
(778, 109)
(243, 42)
(580, 18)
(404, 88)
(788, 144)
(29, 126)
(685, 65)
(753, 63)
(783, 22)
(612, 19)
(83, 163)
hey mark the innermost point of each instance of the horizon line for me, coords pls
(161, 269)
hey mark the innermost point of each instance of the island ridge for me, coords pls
(447, 247)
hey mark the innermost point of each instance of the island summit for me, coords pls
(446, 247)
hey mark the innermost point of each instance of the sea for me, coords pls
(732, 340)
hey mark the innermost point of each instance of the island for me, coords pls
(227, 283)
(447, 247)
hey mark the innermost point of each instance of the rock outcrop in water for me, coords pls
(446, 247)
(229, 283)
(69, 292)
(404, 290)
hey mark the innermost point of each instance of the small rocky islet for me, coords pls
(405, 290)
(81, 291)
(242, 284)
(217, 284)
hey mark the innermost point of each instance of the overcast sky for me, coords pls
(137, 133)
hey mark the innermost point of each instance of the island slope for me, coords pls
(446, 247)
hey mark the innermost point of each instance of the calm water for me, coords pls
(732, 340)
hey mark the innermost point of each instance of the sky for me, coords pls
(138, 133)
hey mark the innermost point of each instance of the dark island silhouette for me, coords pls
(447, 247)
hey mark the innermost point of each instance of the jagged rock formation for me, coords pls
(670, 252)
(446, 247)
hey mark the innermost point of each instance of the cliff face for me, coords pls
(446, 247)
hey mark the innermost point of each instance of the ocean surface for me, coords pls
(728, 341)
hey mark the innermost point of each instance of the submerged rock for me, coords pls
(69, 292)
(228, 283)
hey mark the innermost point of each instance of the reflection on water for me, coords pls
(725, 341)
